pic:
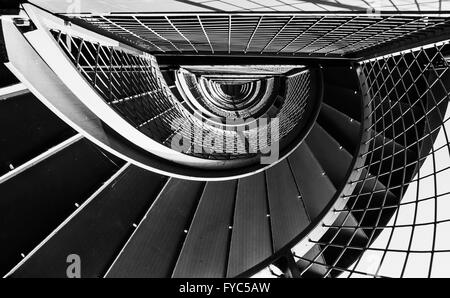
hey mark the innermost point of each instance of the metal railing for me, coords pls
(400, 205)
(203, 91)
(322, 5)
(332, 35)
(134, 87)
(409, 155)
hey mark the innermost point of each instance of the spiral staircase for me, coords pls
(92, 109)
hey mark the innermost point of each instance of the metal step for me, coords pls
(345, 130)
(288, 216)
(53, 190)
(251, 240)
(316, 188)
(27, 129)
(153, 249)
(333, 158)
(205, 250)
(40, 158)
(346, 100)
(98, 229)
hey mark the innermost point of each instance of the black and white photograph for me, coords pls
(225, 147)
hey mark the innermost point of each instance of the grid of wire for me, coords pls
(318, 5)
(271, 34)
(195, 90)
(397, 221)
(288, 106)
(204, 91)
(297, 90)
(134, 87)
(221, 103)
(409, 96)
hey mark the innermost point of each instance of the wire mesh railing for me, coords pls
(323, 5)
(267, 33)
(133, 86)
(208, 94)
(397, 220)
(408, 157)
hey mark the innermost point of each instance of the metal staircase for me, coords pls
(356, 133)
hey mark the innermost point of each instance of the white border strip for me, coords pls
(444, 13)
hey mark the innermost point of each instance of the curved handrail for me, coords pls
(76, 109)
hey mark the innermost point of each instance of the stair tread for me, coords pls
(63, 179)
(155, 245)
(288, 216)
(343, 99)
(308, 174)
(33, 122)
(340, 127)
(205, 250)
(104, 224)
(334, 159)
(251, 239)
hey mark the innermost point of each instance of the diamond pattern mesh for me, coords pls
(397, 220)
